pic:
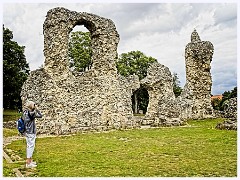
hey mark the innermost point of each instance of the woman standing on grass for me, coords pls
(29, 114)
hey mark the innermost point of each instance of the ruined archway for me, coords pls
(80, 50)
(57, 26)
(99, 99)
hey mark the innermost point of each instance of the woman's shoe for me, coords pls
(31, 165)
(34, 162)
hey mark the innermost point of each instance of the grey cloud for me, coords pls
(220, 89)
(225, 13)
(125, 15)
(223, 81)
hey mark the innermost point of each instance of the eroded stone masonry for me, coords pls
(195, 100)
(100, 99)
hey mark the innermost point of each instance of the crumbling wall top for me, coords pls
(156, 73)
(195, 37)
(59, 23)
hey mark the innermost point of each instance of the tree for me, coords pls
(226, 96)
(80, 51)
(233, 92)
(136, 62)
(219, 104)
(15, 70)
(176, 85)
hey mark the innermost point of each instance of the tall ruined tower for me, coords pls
(198, 57)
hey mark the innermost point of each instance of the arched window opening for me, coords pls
(140, 99)
(80, 49)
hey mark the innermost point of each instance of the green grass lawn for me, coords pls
(10, 115)
(10, 132)
(198, 150)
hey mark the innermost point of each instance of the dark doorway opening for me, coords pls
(140, 99)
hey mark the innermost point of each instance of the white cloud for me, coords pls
(225, 13)
(159, 30)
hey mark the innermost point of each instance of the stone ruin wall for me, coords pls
(163, 109)
(100, 99)
(230, 113)
(195, 100)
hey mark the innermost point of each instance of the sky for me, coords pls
(160, 30)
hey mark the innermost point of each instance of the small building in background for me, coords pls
(219, 97)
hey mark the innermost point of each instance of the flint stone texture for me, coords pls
(195, 100)
(9, 124)
(162, 108)
(230, 109)
(229, 112)
(100, 99)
